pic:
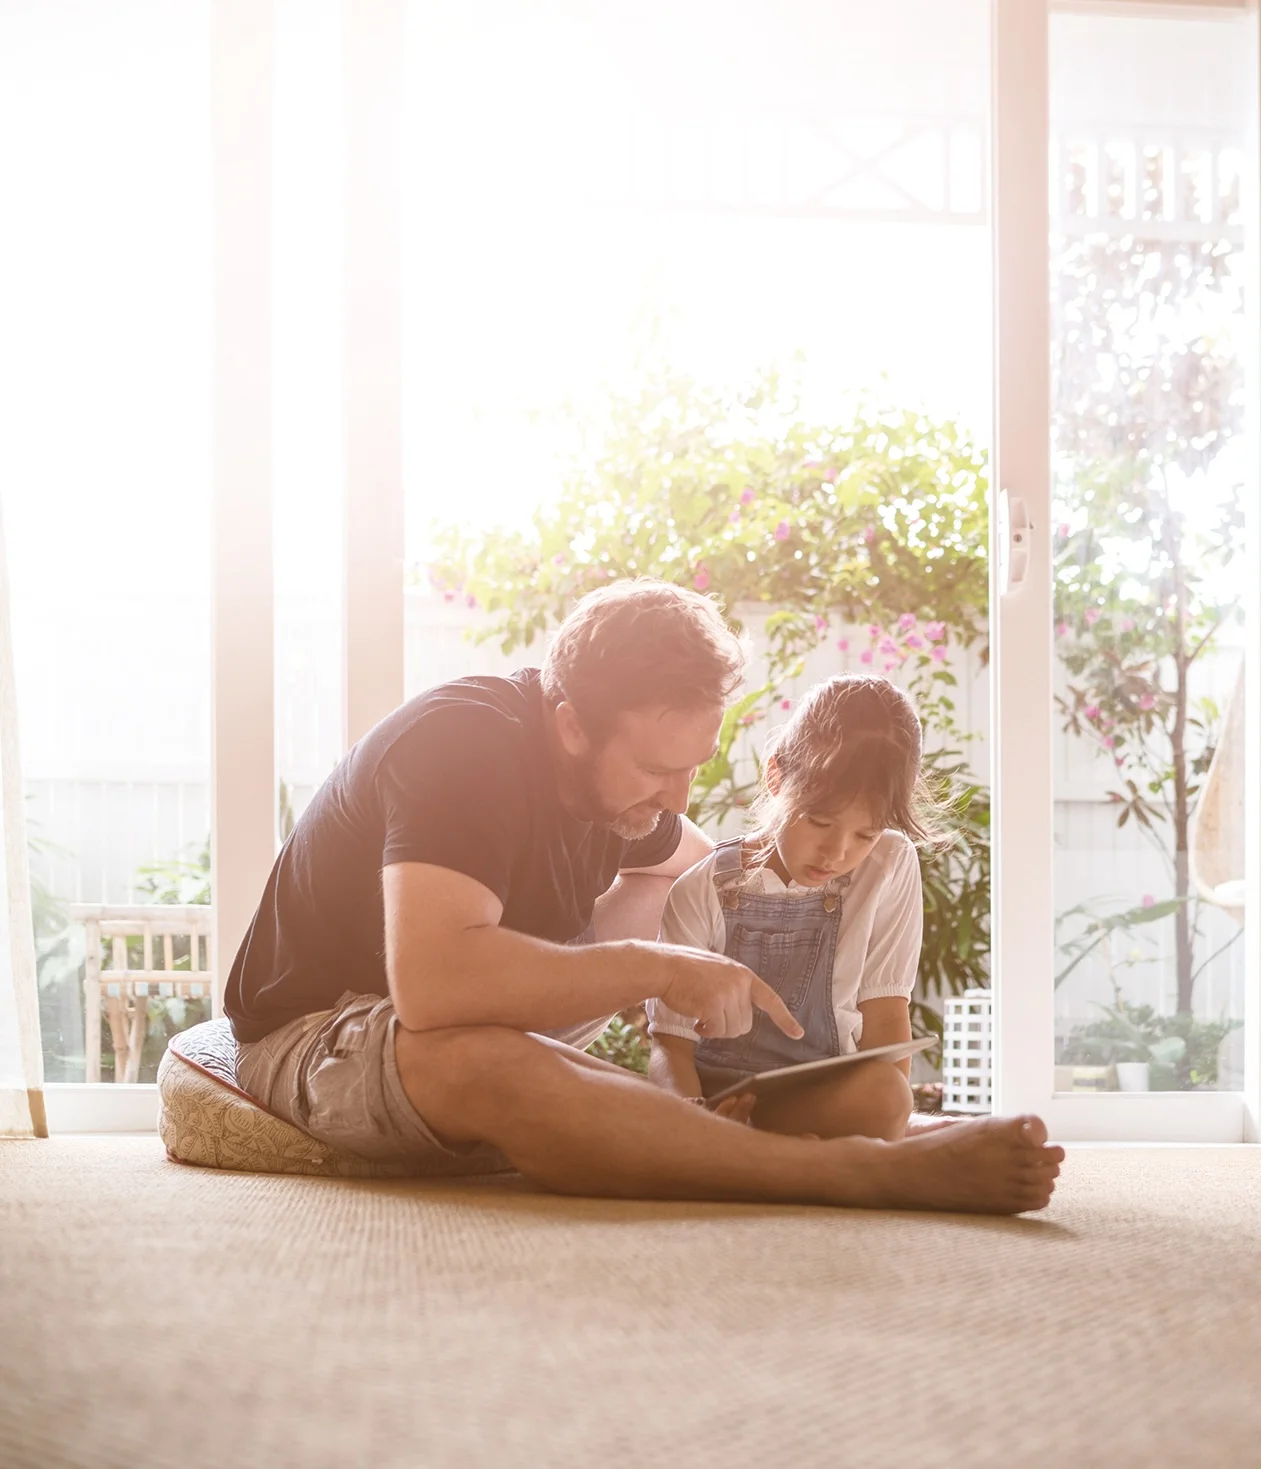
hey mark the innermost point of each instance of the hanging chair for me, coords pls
(1217, 828)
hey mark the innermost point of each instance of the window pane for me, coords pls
(105, 460)
(705, 293)
(1149, 472)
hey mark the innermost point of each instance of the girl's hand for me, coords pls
(738, 1108)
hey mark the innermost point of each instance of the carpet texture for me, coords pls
(152, 1314)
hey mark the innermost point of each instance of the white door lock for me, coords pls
(1014, 534)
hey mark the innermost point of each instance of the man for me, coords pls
(424, 970)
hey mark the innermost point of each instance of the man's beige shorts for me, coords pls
(335, 1075)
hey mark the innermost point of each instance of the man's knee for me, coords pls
(461, 1068)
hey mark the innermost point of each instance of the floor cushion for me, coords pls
(205, 1118)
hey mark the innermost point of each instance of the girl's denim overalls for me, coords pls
(790, 942)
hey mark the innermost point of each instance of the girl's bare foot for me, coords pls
(919, 1122)
(993, 1165)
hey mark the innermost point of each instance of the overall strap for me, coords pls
(728, 860)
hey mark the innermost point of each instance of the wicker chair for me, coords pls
(109, 982)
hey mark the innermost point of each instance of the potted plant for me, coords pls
(1149, 1051)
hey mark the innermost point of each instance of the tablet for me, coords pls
(770, 1083)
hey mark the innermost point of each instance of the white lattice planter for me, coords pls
(967, 1049)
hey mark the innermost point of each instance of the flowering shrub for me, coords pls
(1148, 391)
(879, 520)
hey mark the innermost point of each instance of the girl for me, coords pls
(823, 902)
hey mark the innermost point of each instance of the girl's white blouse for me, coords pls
(877, 945)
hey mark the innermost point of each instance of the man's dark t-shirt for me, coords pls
(460, 777)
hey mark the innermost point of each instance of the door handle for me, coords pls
(1015, 531)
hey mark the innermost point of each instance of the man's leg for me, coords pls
(594, 1129)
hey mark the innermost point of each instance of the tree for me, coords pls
(1148, 391)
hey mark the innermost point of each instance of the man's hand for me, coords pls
(720, 994)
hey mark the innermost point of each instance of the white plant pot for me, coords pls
(1132, 1076)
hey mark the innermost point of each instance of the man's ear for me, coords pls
(774, 776)
(569, 730)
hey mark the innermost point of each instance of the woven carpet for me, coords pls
(153, 1314)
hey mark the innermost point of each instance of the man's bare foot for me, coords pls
(993, 1165)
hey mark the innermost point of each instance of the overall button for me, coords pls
(829, 903)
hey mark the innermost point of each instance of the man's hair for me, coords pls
(641, 645)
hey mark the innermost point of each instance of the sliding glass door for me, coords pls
(1126, 464)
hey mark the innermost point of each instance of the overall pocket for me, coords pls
(786, 960)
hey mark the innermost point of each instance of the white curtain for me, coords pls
(21, 1052)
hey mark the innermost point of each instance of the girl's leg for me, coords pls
(870, 1099)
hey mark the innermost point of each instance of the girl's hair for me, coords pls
(853, 737)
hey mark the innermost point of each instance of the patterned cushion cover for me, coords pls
(205, 1118)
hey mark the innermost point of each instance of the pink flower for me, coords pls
(906, 622)
(746, 719)
(866, 656)
(471, 600)
(781, 531)
(1063, 532)
(1109, 742)
(1127, 624)
(1148, 901)
(1108, 723)
(1148, 701)
(1061, 629)
(874, 629)
(820, 624)
(558, 559)
(830, 476)
(915, 641)
(843, 644)
(939, 654)
(785, 703)
(1092, 616)
(869, 535)
(701, 580)
(448, 596)
(735, 515)
(891, 665)
(747, 495)
(1091, 711)
(889, 648)
(934, 631)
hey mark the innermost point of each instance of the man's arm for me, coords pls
(449, 963)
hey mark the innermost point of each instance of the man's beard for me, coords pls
(635, 824)
(632, 824)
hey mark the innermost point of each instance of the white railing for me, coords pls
(111, 983)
